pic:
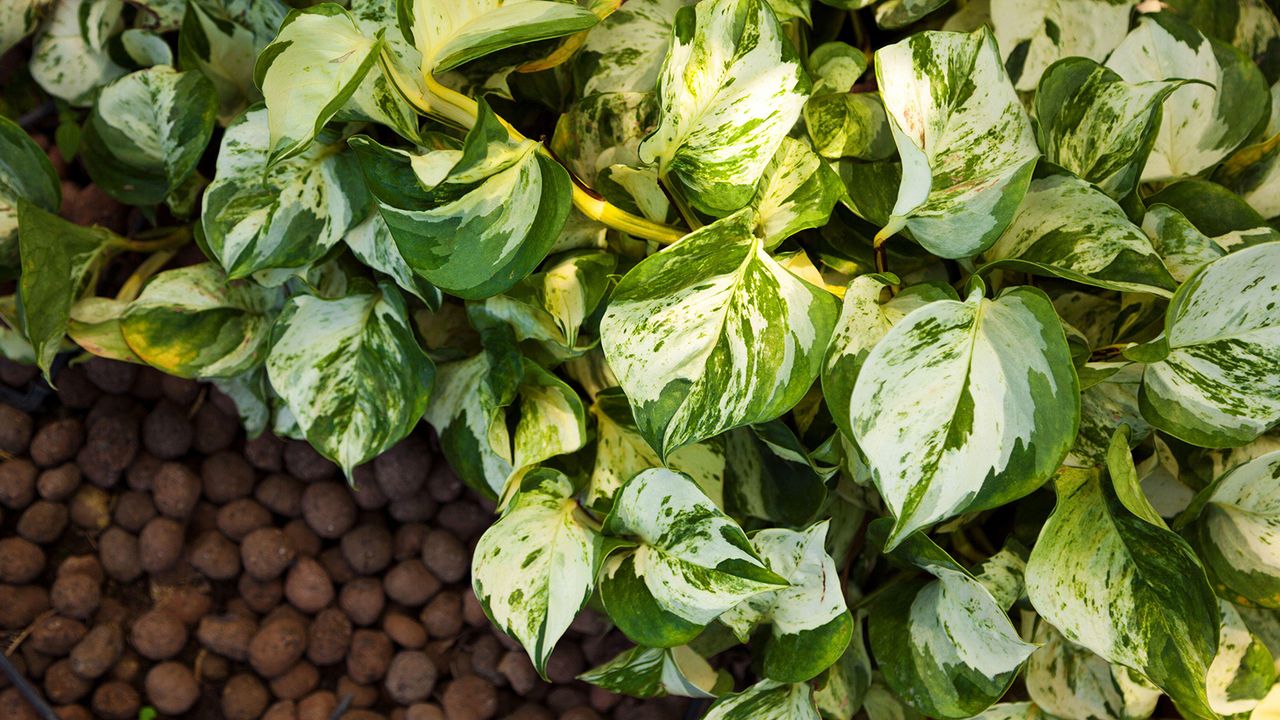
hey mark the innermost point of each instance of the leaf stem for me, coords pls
(170, 241)
(459, 109)
(681, 202)
(870, 597)
(881, 256)
(132, 287)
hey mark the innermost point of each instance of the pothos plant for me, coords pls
(949, 387)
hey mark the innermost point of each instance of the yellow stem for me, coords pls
(133, 286)
(169, 241)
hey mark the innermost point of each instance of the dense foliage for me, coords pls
(919, 381)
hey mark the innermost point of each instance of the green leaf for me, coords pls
(624, 53)
(1066, 227)
(1096, 125)
(221, 39)
(966, 142)
(1217, 212)
(69, 58)
(692, 562)
(712, 334)
(534, 569)
(1236, 529)
(147, 132)
(1068, 681)
(894, 14)
(847, 682)
(27, 175)
(283, 216)
(309, 72)
(797, 191)
(769, 475)
(371, 242)
(1034, 34)
(1216, 387)
(19, 19)
(766, 700)
(146, 48)
(810, 626)
(474, 221)
(449, 35)
(965, 406)
(731, 88)
(1242, 672)
(944, 645)
(1253, 171)
(351, 372)
(1203, 122)
(59, 260)
(657, 672)
(192, 323)
(1130, 591)
(621, 453)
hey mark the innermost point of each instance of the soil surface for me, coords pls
(152, 556)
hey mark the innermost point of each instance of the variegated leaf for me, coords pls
(1242, 672)
(1237, 530)
(552, 420)
(845, 688)
(58, 259)
(146, 48)
(1130, 591)
(1002, 575)
(692, 562)
(351, 372)
(965, 406)
(1216, 387)
(849, 125)
(1104, 406)
(1253, 171)
(69, 58)
(656, 672)
(712, 334)
(1095, 124)
(310, 70)
(621, 453)
(461, 411)
(624, 53)
(944, 645)
(1184, 248)
(449, 35)
(192, 323)
(731, 88)
(767, 700)
(371, 242)
(1070, 682)
(25, 174)
(894, 14)
(770, 476)
(1067, 228)
(604, 130)
(94, 324)
(471, 221)
(252, 398)
(1033, 34)
(863, 321)
(377, 99)
(534, 569)
(278, 217)
(147, 132)
(19, 19)
(1217, 212)
(965, 140)
(810, 626)
(1202, 122)
(221, 39)
(797, 191)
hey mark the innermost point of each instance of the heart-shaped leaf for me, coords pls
(25, 174)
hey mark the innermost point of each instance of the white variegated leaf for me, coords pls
(1238, 532)
(250, 394)
(691, 565)
(1254, 170)
(551, 306)
(552, 420)
(621, 453)
(283, 216)
(894, 14)
(843, 692)
(944, 644)
(1202, 122)
(1216, 387)
(731, 88)
(191, 322)
(377, 98)
(1070, 682)
(769, 475)
(1002, 575)
(371, 242)
(1130, 591)
(1068, 228)
(767, 700)
(147, 132)
(712, 334)
(69, 58)
(964, 406)
(797, 191)
(461, 411)
(534, 569)
(849, 125)
(1095, 124)
(1184, 248)
(309, 72)
(624, 53)
(18, 19)
(656, 672)
(1242, 672)
(94, 324)
(350, 371)
(810, 626)
(1105, 406)
(966, 142)
(1041, 32)
(221, 39)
